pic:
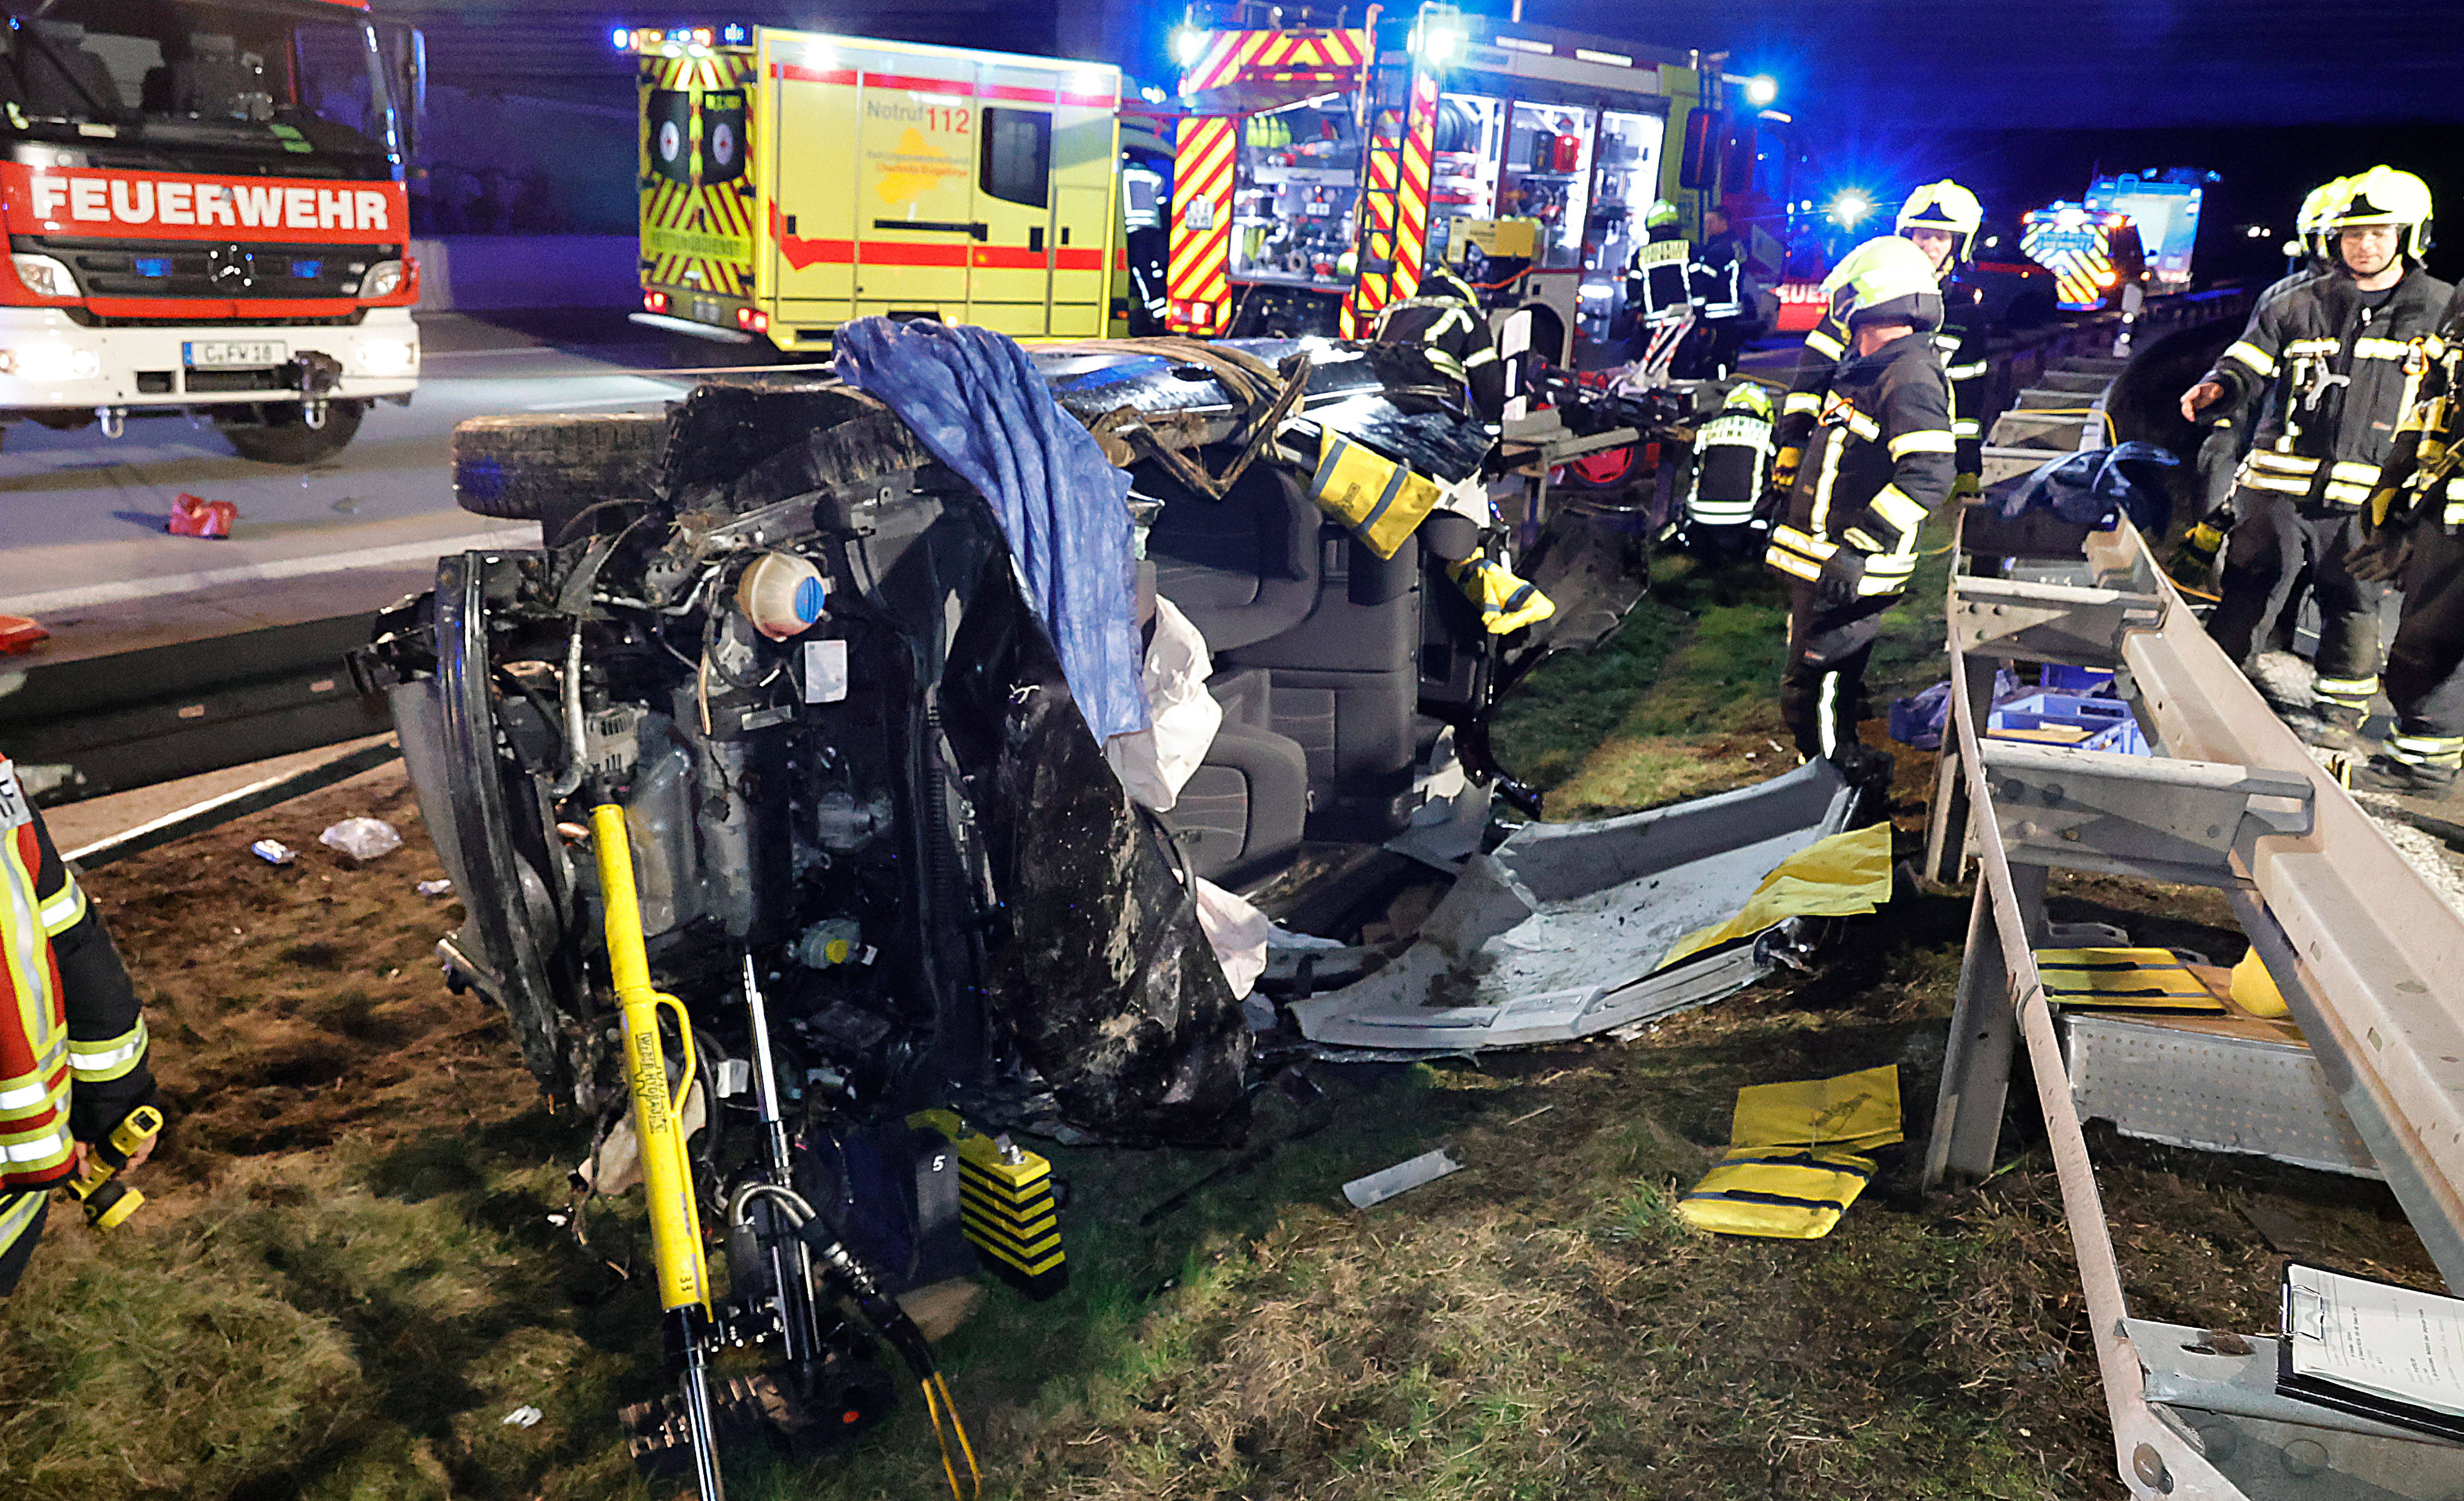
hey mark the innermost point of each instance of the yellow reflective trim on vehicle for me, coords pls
(2252, 355)
(1893, 505)
(1924, 440)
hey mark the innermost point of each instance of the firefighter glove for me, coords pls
(2383, 555)
(1784, 468)
(1843, 580)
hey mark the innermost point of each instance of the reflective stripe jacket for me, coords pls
(1961, 345)
(1656, 280)
(1880, 461)
(2416, 471)
(72, 1043)
(2341, 374)
(1444, 318)
(1732, 456)
(1716, 279)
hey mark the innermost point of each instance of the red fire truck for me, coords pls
(1320, 166)
(206, 212)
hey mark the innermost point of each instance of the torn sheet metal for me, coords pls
(1557, 934)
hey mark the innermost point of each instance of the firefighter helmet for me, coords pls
(1947, 207)
(2310, 222)
(1749, 398)
(1660, 215)
(1885, 280)
(2384, 195)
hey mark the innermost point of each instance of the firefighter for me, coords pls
(1733, 456)
(1444, 317)
(1881, 458)
(2229, 424)
(1716, 279)
(2416, 510)
(2336, 358)
(1940, 219)
(1659, 292)
(72, 1048)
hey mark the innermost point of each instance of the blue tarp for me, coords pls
(2091, 488)
(975, 400)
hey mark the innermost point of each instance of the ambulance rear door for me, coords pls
(810, 260)
(916, 214)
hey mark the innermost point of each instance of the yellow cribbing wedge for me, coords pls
(1379, 499)
(1839, 876)
(1786, 1193)
(1852, 1111)
(2253, 989)
(1006, 1208)
(2152, 979)
(1506, 602)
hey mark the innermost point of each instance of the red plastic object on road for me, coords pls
(17, 633)
(194, 516)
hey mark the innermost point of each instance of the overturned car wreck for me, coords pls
(837, 672)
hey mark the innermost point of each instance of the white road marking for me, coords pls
(521, 535)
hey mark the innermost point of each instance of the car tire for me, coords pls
(280, 434)
(525, 469)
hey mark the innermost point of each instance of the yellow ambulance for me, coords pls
(792, 180)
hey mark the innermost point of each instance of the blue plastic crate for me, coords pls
(2088, 681)
(2073, 720)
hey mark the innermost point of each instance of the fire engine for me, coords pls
(205, 214)
(1319, 169)
(982, 189)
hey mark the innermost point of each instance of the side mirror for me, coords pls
(1700, 159)
(404, 53)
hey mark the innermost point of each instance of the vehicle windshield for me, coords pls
(227, 66)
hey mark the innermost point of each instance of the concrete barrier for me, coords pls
(485, 272)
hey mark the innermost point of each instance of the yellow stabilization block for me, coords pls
(2142, 979)
(1785, 1193)
(1007, 1208)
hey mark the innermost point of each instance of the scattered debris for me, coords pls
(362, 838)
(1795, 1158)
(1402, 1177)
(194, 516)
(438, 887)
(522, 1418)
(274, 852)
(17, 633)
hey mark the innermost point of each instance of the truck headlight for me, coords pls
(388, 356)
(44, 276)
(383, 280)
(50, 361)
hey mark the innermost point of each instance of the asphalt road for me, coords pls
(82, 546)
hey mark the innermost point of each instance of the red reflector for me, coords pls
(654, 302)
(850, 1416)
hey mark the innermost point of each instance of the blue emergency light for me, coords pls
(620, 37)
(153, 265)
(307, 270)
(733, 36)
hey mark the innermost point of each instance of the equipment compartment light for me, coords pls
(1851, 206)
(1760, 90)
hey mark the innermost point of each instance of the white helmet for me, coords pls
(1885, 280)
(1947, 207)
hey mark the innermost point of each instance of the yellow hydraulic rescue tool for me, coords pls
(666, 1172)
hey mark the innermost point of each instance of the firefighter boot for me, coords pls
(2384, 772)
(2332, 726)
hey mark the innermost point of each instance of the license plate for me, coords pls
(227, 353)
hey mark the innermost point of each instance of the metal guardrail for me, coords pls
(2369, 958)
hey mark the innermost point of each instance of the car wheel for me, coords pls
(523, 469)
